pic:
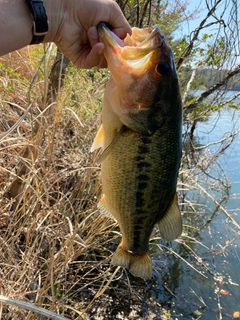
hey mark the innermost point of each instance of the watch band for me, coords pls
(40, 21)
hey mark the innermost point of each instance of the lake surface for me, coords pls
(198, 275)
(199, 278)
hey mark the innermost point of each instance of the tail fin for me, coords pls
(138, 265)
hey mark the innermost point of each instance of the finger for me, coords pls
(92, 58)
(93, 36)
(121, 32)
(120, 25)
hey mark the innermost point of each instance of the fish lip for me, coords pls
(155, 30)
(136, 54)
(102, 26)
(105, 33)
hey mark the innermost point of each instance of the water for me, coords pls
(200, 277)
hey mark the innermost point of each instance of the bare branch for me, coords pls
(189, 108)
(31, 307)
(186, 53)
(184, 97)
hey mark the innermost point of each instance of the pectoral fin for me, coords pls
(109, 147)
(98, 141)
(170, 226)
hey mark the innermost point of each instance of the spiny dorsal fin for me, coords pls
(170, 226)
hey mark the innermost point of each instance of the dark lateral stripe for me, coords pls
(146, 139)
(139, 220)
(142, 185)
(139, 158)
(139, 199)
(143, 177)
(143, 164)
(136, 238)
(143, 149)
(138, 228)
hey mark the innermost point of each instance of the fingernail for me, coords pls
(100, 50)
(93, 32)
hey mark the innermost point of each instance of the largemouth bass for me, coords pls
(140, 137)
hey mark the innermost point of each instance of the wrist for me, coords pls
(54, 11)
(46, 16)
(40, 20)
(15, 25)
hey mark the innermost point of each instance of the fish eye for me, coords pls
(163, 68)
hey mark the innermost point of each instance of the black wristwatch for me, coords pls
(40, 21)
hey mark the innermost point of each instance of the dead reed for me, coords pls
(55, 246)
(53, 241)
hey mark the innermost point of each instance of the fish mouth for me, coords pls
(138, 86)
(134, 50)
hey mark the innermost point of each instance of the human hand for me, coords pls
(73, 28)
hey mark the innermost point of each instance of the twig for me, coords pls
(184, 97)
(189, 264)
(199, 298)
(104, 287)
(189, 108)
(218, 204)
(231, 135)
(188, 50)
(4, 135)
(31, 307)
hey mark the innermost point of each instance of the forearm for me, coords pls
(72, 27)
(16, 23)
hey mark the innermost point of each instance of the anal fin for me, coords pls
(170, 226)
(138, 265)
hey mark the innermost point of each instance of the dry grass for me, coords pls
(55, 246)
(53, 241)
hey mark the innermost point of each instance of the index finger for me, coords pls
(118, 22)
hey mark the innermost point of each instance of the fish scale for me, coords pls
(149, 203)
(140, 137)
